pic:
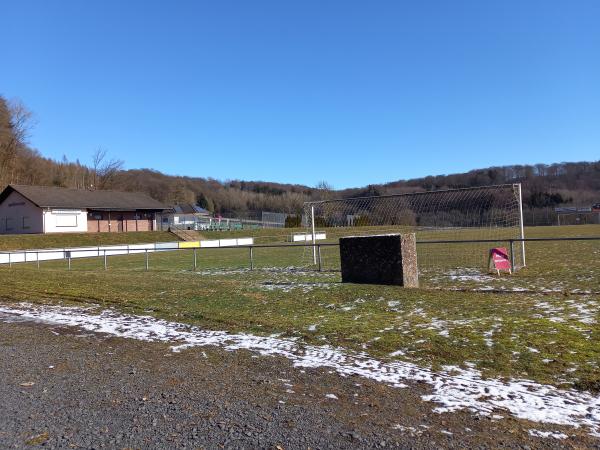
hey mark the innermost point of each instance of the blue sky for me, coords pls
(351, 92)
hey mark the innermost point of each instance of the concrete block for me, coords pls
(380, 259)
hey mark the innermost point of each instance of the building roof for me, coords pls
(188, 208)
(58, 197)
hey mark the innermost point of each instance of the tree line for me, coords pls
(544, 185)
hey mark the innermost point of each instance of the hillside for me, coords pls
(544, 186)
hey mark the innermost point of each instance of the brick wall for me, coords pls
(120, 222)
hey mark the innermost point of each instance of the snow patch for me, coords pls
(547, 434)
(452, 388)
(289, 286)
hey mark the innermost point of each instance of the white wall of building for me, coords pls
(19, 216)
(65, 221)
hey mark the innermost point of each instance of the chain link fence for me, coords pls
(490, 213)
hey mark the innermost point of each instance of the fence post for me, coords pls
(147, 265)
(105, 262)
(69, 261)
(9, 261)
(522, 225)
(319, 256)
(195, 260)
(512, 255)
(314, 238)
(37, 257)
(251, 259)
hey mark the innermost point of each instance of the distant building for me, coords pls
(44, 209)
(188, 208)
(186, 216)
(577, 215)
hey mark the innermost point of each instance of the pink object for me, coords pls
(500, 258)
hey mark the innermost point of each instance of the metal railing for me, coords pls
(511, 242)
(22, 256)
(105, 253)
(201, 223)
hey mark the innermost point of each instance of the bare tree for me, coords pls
(22, 120)
(324, 190)
(15, 124)
(103, 170)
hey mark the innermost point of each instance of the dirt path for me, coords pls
(64, 388)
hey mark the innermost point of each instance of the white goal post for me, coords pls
(493, 213)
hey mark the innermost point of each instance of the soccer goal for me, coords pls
(453, 216)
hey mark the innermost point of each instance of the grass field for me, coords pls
(27, 241)
(541, 323)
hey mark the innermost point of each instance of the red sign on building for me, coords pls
(499, 258)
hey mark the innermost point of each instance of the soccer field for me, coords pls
(540, 324)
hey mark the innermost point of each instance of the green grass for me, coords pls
(58, 240)
(273, 235)
(548, 334)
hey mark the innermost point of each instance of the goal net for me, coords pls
(453, 216)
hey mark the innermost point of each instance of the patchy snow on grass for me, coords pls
(452, 388)
(219, 272)
(393, 305)
(290, 286)
(286, 271)
(586, 310)
(488, 335)
(435, 324)
(468, 274)
(583, 310)
(479, 280)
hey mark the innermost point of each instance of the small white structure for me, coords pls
(308, 237)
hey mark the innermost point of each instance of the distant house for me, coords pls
(44, 209)
(190, 209)
(186, 216)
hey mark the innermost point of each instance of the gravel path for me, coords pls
(64, 388)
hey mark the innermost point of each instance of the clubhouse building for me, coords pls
(45, 209)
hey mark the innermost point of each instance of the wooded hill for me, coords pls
(544, 186)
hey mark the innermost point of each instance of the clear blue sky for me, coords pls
(352, 92)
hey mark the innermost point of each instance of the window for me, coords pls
(26, 223)
(9, 223)
(66, 220)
